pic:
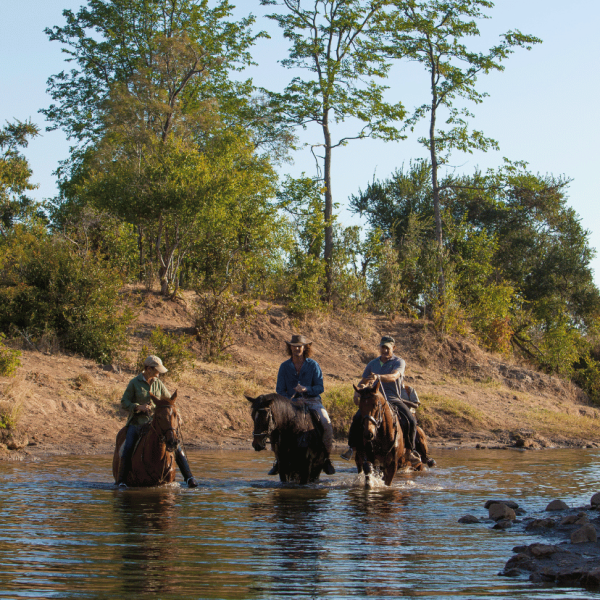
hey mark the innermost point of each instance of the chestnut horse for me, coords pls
(382, 441)
(295, 433)
(153, 459)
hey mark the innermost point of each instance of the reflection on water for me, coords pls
(67, 533)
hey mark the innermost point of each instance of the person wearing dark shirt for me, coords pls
(389, 370)
(300, 377)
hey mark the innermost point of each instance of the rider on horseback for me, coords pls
(301, 377)
(138, 402)
(389, 369)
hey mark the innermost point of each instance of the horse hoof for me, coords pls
(192, 483)
(367, 468)
(431, 462)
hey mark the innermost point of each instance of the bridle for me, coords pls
(378, 420)
(162, 435)
(270, 426)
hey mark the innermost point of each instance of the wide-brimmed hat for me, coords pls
(154, 361)
(387, 340)
(299, 340)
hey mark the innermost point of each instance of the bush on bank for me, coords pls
(50, 288)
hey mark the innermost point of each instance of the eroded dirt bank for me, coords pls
(67, 404)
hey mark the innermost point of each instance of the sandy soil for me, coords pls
(67, 404)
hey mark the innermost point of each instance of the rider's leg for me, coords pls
(353, 436)
(327, 435)
(412, 424)
(184, 467)
(125, 458)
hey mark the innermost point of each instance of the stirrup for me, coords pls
(122, 485)
(348, 454)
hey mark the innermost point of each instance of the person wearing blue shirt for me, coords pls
(389, 369)
(301, 377)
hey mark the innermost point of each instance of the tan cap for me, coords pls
(154, 361)
(388, 340)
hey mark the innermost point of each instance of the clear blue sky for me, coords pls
(541, 109)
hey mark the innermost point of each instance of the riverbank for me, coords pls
(64, 404)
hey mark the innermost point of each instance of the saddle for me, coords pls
(304, 438)
(402, 419)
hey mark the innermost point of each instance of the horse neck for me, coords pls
(153, 443)
(387, 420)
(282, 412)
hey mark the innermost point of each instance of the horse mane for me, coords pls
(285, 411)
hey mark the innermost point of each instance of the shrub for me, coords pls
(218, 314)
(9, 359)
(9, 415)
(339, 403)
(173, 350)
(50, 289)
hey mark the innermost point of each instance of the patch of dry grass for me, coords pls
(549, 422)
(435, 407)
(12, 400)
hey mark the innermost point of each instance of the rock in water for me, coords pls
(499, 512)
(586, 534)
(469, 519)
(557, 505)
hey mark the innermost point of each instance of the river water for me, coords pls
(65, 532)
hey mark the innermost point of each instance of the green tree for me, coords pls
(431, 32)
(183, 47)
(338, 43)
(161, 151)
(15, 173)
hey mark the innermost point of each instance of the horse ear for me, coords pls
(250, 399)
(174, 396)
(154, 398)
(377, 385)
(355, 388)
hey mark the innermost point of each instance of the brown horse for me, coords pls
(153, 459)
(382, 441)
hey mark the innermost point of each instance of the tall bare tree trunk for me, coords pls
(328, 213)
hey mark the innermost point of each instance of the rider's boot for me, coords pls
(184, 467)
(123, 472)
(347, 455)
(275, 468)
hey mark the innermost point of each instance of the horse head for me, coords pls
(371, 407)
(166, 420)
(263, 420)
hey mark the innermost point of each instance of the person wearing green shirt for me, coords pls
(138, 402)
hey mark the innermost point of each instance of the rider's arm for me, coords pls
(128, 402)
(316, 387)
(281, 387)
(398, 372)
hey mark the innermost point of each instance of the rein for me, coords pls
(378, 421)
(268, 432)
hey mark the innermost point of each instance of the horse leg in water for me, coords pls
(422, 448)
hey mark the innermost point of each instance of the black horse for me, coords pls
(295, 433)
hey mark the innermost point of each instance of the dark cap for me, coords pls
(299, 340)
(387, 340)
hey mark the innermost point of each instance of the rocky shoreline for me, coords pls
(571, 556)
